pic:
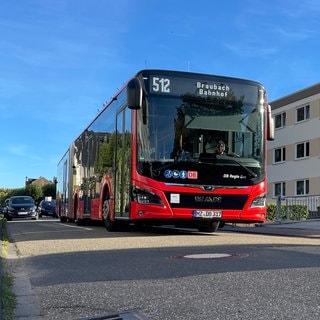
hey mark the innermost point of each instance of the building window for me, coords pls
(280, 155)
(279, 189)
(280, 120)
(303, 113)
(302, 150)
(302, 187)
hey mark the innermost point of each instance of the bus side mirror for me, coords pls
(134, 94)
(270, 124)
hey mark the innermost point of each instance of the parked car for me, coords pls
(47, 208)
(20, 207)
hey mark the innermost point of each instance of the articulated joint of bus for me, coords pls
(146, 197)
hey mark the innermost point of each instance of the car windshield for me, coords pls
(22, 200)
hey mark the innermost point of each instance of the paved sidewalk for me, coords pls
(305, 229)
(28, 306)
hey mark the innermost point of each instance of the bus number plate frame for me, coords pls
(206, 214)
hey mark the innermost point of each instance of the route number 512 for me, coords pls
(161, 85)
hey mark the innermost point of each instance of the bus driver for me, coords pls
(221, 149)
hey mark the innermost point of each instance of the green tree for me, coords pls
(4, 195)
(17, 192)
(49, 190)
(34, 191)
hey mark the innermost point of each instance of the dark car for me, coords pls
(47, 208)
(20, 207)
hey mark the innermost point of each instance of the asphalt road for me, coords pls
(86, 272)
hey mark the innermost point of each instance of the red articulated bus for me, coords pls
(152, 155)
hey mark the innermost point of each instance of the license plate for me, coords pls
(22, 213)
(207, 214)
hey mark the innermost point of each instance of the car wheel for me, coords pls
(36, 217)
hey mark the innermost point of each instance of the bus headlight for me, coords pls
(146, 197)
(258, 202)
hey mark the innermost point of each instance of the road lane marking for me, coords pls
(70, 226)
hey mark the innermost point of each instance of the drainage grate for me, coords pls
(126, 315)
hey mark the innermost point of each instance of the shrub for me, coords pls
(295, 211)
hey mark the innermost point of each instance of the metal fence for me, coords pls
(312, 202)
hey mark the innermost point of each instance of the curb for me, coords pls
(276, 229)
(27, 306)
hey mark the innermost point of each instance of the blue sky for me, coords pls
(61, 60)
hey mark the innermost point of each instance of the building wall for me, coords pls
(296, 176)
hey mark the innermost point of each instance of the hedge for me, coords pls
(295, 211)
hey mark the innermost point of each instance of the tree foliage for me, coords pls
(49, 190)
(36, 192)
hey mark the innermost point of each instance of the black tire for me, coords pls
(79, 222)
(108, 223)
(221, 224)
(36, 217)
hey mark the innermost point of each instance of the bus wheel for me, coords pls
(109, 224)
(210, 227)
(221, 224)
(63, 219)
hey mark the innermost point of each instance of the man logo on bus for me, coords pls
(211, 199)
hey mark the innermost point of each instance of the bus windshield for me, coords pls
(180, 136)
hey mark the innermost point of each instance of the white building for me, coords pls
(293, 162)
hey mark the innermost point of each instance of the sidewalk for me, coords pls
(27, 306)
(306, 229)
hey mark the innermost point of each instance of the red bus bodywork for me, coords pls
(108, 176)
